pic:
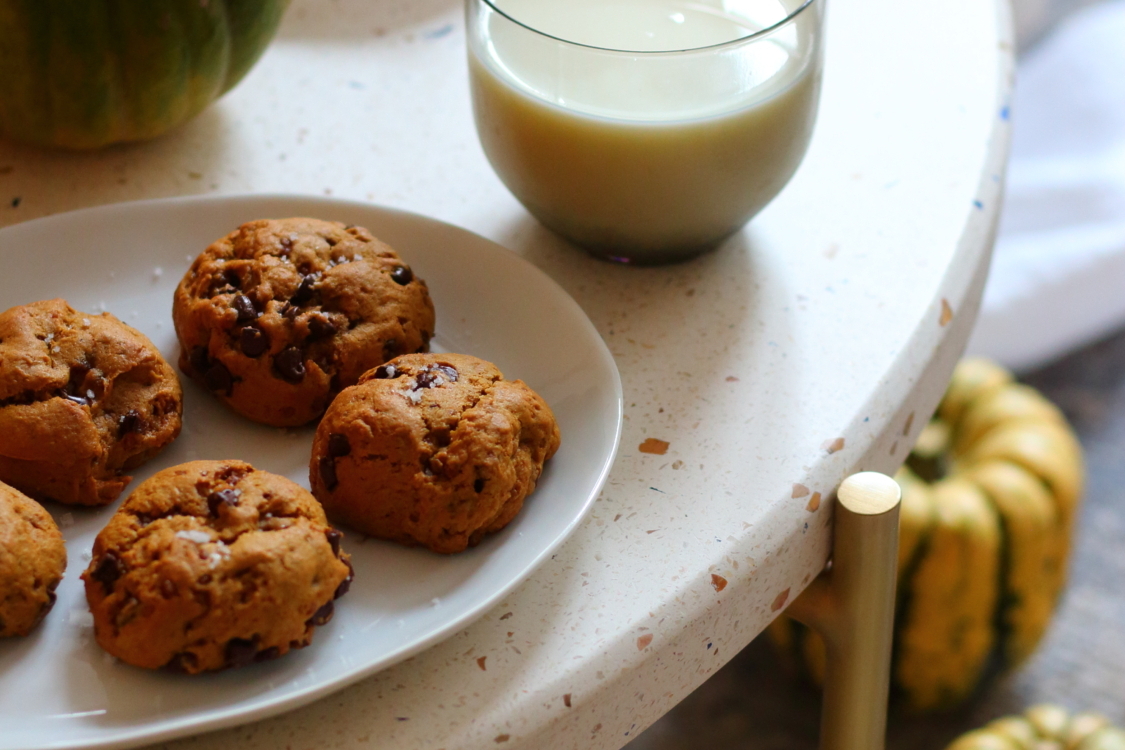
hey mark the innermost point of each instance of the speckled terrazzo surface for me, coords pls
(751, 705)
(793, 356)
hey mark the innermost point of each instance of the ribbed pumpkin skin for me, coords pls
(81, 74)
(1044, 727)
(983, 544)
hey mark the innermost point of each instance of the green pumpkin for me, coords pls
(86, 73)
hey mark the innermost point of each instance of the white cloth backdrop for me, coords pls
(1058, 274)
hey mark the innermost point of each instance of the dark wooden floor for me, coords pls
(751, 704)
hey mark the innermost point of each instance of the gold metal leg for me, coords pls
(852, 605)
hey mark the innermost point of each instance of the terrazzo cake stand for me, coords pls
(812, 345)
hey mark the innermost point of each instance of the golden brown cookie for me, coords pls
(213, 564)
(431, 449)
(279, 316)
(83, 399)
(32, 561)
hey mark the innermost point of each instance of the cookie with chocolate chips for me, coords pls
(213, 564)
(434, 450)
(279, 316)
(32, 561)
(83, 400)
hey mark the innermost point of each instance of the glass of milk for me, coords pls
(646, 131)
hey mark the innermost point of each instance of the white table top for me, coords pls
(810, 346)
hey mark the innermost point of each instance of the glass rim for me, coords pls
(732, 43)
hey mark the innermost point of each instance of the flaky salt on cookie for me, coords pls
(214, 564)
(436, 450)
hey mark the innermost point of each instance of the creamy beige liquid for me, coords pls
(653, 162)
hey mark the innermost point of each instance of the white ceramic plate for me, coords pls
(59, 690)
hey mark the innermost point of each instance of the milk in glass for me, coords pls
(644, 130)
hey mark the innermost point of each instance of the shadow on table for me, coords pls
(752, 703)
(706, 310)
(49, 181)
(352, 20)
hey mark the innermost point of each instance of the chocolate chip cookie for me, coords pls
(83, 400)
(213, 564)
(32, 561)
(434, 450)
(279, 316)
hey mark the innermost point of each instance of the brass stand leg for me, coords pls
(852, 606)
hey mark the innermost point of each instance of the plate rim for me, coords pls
(225, 718)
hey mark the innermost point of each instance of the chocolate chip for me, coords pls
(334, 538)
(128, 423)
(289, 312)
(402, 275)
(304, 291)
(233, 474)
(215, 500)
(387, 372)
(245, 309)
(232, 278)
(181, 663)
(290, 364)
(478, 485)
(432, 376)
(218, 378)
(347, 582)
(328, 472)
(80, 400)
(254, 342)
(391, 349)
(321, 327)
(75, 385)
(267, 654)
(199, 360)
(241, 651)
(338, 445)
(109, 569)
(322, 616)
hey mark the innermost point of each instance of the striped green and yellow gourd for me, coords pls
(1044, 727)
(990, 495)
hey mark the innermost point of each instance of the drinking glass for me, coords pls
(623, 126)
